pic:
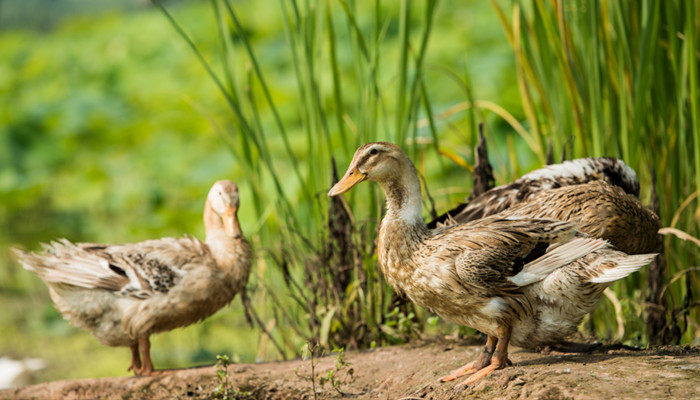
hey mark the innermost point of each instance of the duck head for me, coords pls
(380, 162)
(221, 208)
(386, 164)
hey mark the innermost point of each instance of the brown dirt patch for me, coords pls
(412, 372)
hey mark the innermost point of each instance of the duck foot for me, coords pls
(461, 371)
(496, 364)
(500, 359)
(483, 361)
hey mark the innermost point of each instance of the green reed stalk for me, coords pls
(341, 105)
(622, 77)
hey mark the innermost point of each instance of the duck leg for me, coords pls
(145, 347)
(135, 359)
(500, 360)
(483, 360)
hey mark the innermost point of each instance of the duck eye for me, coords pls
(373, 151)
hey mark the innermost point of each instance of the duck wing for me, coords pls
(161, 264)
(556, 256)
(493, 250)
(510, 255)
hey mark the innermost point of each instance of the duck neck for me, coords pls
(231, 253)
(402, 230)
(403, 200)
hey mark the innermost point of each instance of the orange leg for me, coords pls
(483, 360)
(500, 360)
(145, 346)
(135, 359)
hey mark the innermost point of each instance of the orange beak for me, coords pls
(230, 223)
(351, 178)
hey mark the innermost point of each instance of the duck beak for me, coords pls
(351, 178)
(230, 222)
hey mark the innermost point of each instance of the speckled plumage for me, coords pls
(524, 189)
(460, 271)
(124, 293)
(529, 281)
(598, 194)
(600, 210)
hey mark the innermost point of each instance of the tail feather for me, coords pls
(624, 267)
(65, 263)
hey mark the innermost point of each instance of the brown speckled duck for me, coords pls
(523, 281)
(125, 293)
(598, 194)
(567, 173)
(600, 210)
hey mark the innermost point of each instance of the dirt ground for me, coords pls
(411, 372)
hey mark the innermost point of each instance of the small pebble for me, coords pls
(689, 366)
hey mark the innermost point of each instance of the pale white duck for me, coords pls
(125, 293)
(523, 281)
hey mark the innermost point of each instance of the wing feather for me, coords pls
(557, 255)
(63, 262)
(136, 270)
(505, 244)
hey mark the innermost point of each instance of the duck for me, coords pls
(565, 174)
(600, 210)
(600, 195)
(522, 281)
(124, 293)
